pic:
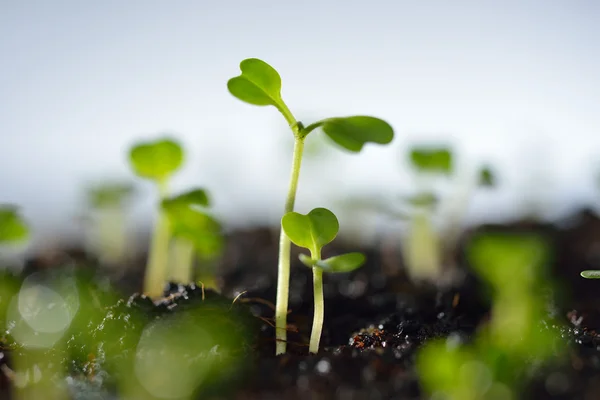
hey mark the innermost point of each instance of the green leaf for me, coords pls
(208, 245)
(342, 263)
(435, 160)
(196, 197)
(109, 194)
(486, 177)
(426, 199)
(258, 84)
(156, 160)
(189, 221)
(311, 231)
(352, 133)
(590, 274)
(12, 227)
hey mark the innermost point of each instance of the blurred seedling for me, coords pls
(260, 84)
(196, 234)
(107, 203)
(313, 231)
(424, 249)
(496, 363)
(14, 234)
(157, 161)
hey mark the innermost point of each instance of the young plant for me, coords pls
(425, 251)
(195, 233)
(313, 231)
(157, 161)
(13, 229)
(14, 233)
(260, 84)
(497, 361)
(107, 204)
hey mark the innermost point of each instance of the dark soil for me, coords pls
(375, 321)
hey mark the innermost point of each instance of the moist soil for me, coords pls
(375, 320)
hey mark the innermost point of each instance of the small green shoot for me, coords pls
(13, 229)
(260, 84)
(313, 231)
(195, 233)
(106, 202)
(157, 161)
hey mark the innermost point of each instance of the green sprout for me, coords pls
(108, 201)
(497, 361)
(260, 84)
(157, 161)
(13, 229)
(313, 231)
(195, 233)
(424, 248)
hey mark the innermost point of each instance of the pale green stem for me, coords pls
(158, 257)
(283, 265)
(183, 259)
(319, 313)
(112, 236)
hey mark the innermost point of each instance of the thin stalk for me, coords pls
(183, 259)
(283, 265)
(319, 313)
(158, 258)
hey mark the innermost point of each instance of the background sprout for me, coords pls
(107, 203)
(13, 228)
(497, 362)
(195, 232)
(260, 84)
(313, 231)
(157, 161)
(14, 235)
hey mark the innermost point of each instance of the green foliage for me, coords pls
(313, 230)
(156, 160)
(495, 364)
(342, 263)
(590, 274)
(109, 194)
(423, 199)
(258, 84)
(352, 133)
(432, 160)
(13, 228)
(487, 177)
(188, 220)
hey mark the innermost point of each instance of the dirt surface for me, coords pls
(375, 321)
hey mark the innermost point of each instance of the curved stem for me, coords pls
(283, 265)
(319, 313)
(156, 268)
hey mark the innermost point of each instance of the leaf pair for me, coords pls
(188, 220)
(260, 84)
(313, 231)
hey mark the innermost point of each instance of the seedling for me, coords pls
(14, 234)
(157, 161)
(107, 202)
(313, 231)
(13, 229)
(195, 232)
(260, 84)
(496, 362)
(425, 250)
